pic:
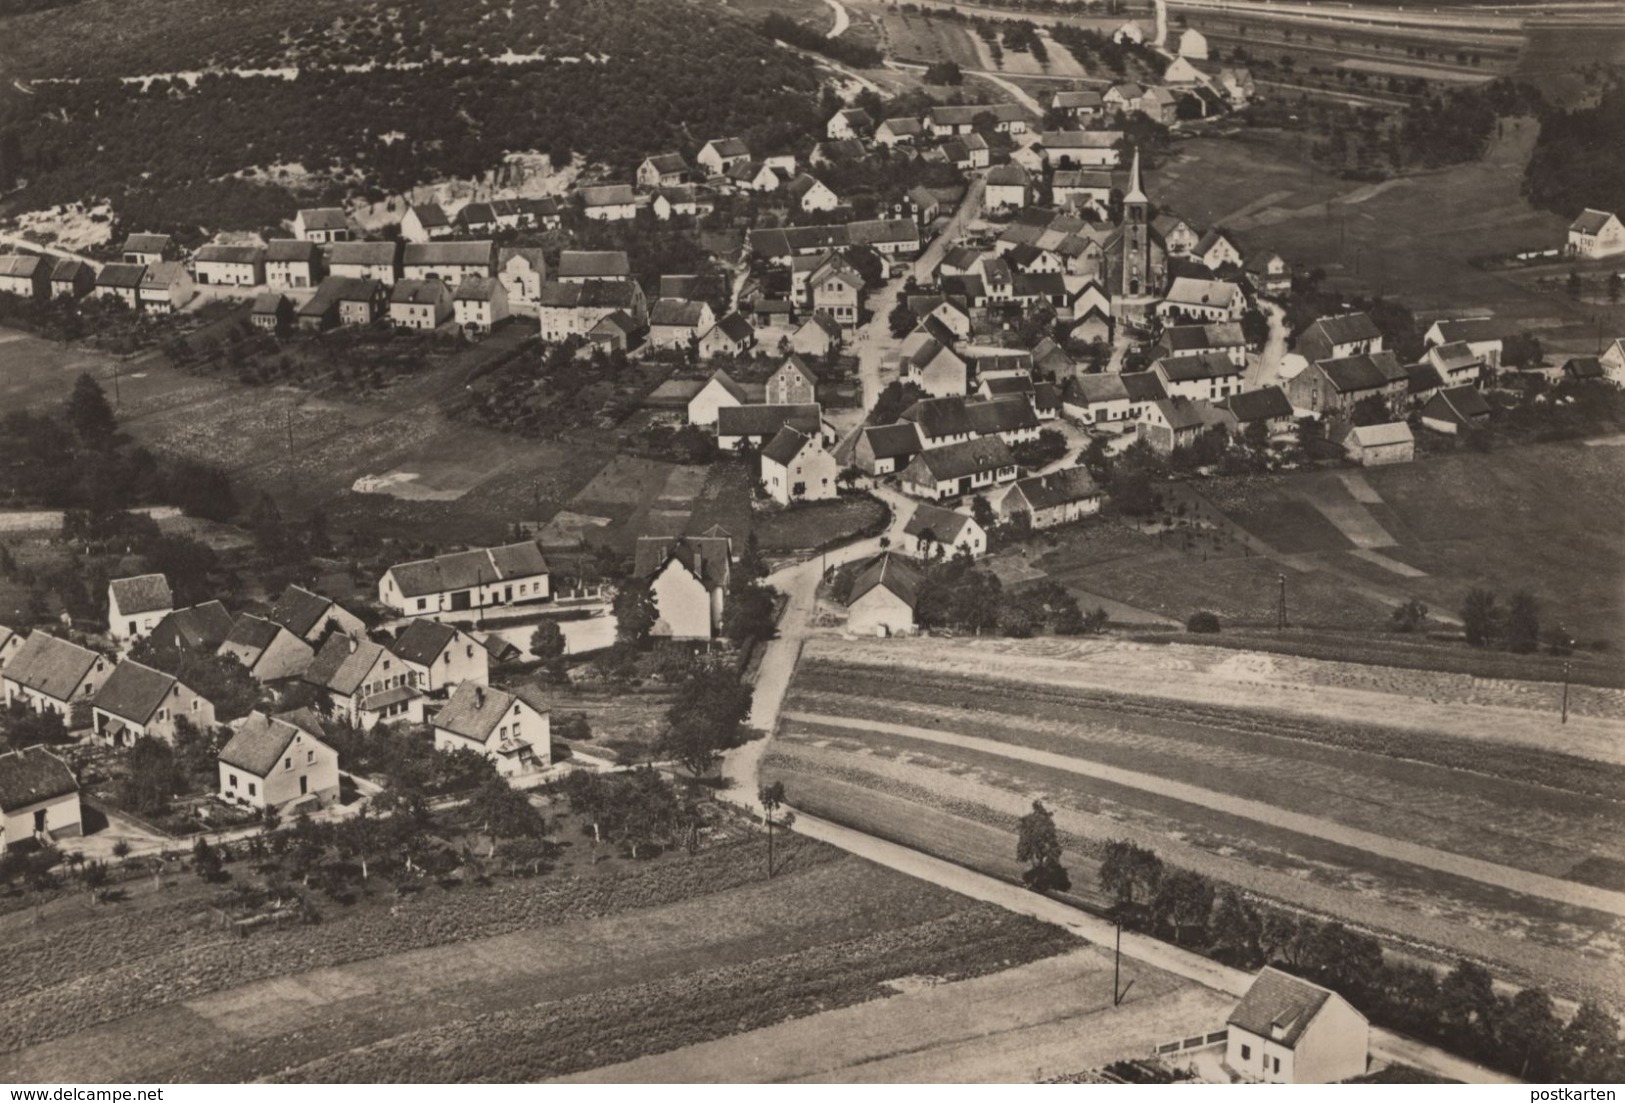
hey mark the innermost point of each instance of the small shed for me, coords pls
(1374, 445)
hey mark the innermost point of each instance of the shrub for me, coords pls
(1204, 622)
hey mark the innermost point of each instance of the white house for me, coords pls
(812, 194)
(1596, 234)
(441, 657)
(609, 203)
(291, 263)
(365, 683)
(882, 598)
(366, 260)
(1203, 300)
(448, 261)
(1129, 32)
(662, 170)
(720, 390)
(1193, 44)
(677, 323)
(850, 123)
(267, 650)
(1374, 445)
(231, 265)
(688, 578)
(958, 469)
(419, 304)
(513, 574)
(940, 533)
(322, 225)
(480, 303)
(721, 154)
(165, 288)
(796, 467)
(137, 700)
(522, 270)
(1006, 188)
(39, 798)
(1288, 1031)
(1053, 499)
(514, 730)
(278, 762)
(52, 675)
(425, 222)
(1484, 336)
(1198, 375)
(136, 605)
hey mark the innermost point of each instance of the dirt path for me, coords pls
(842, 19)
(1427, 857)
(1019, 1026)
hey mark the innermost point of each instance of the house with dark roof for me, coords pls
(121, 282)
(148, 249)
(292, 263)
(1484, 336)
(73, 278)
(940, 533)
(365, 683)
(688, 577)
(1210, 375)
(448, 261)
(1011, 418)
(55, 675)
(1337, 336)
(279, 762)
(137, 700)
(941, 421)
(312, 617)
(441, 657)
(576, 265)
(514, 574)
(425, 222)
(853, 122)
(1173, 422)
(1455, 409)
(479, 303)
(1216, 250)
(1456, 363)
(882, 598)
(196, 628)
(136, 605)
(816, 336)
(1053, 499)
(796, 467)
(675, 323)
(419, 304)
(958, 469)
(1584, 368)
(1068, 149)
(1221, 337)
(879, 449)
(609, 202)
(758, 423)
(930, 363)
(721, 154)
(793, 383)
(1096, 399)
(572, 309)
(514, 730)
(39, 798)
(271, 311)
(732, 336)
(269, 651)
(1268, 405)
(25, 276)
(165, 288)
(322, 225)
(900, 131)
(662, 170)
(365, 260)
(1286, 1030)
(232, 265)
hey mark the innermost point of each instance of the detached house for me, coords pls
(1173, 422)
(851, 123)
(609, 203)
(811, 194)
(721, 154)
(1455, 409)
(958, 469)
(1268, 406)
(880, 449)
(1209, 375)
(1221, 337)
(796, 467)
(322, 225)
(836, 290)
(1456, 363)
(53, 675)
(1096, 399)
(27, 276)
(1203, 300)
(137, 700)
(449, 261)
(1049, 500)
(148, 249)
(1006, 188)
(166, 287)
(196, 628)
(688, 577)
(522, 270)
(279, 762)
(1484, 337)
(121, 282)
(365, 683)
(1335, 387)
(732, 336)
(1375, 445)
(419, 304)
(894, 132)
(232, 265)
(793, 383)
(756, 424)
(441, 657)
(425, 222)
(312, 617)
(136, 605)
(817, 336)
(292, 263)
(39, 798)
(1338, 336)
(514, 574)
(940, 533)
(268, 651)
(272, 311)
(513, 730)
(1216, 250)
(1288, 1031)
(677, 323)
(480, 303)
(1596, 234)
(663, 170)
(1081, 149)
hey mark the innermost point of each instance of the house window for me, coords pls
(421, 604)
(287, 763)
(251, 789)
(470, 651)
(163, 714)
(195, 703)
(310, 756)
(231, 781)
(502, 732)
(1246, 1053)
(1277, 1061)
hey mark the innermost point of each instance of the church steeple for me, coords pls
(1136, 193)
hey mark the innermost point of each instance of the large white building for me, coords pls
(513, 574)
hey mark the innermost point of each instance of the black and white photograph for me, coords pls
(902, 542)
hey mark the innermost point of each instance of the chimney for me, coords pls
(479, 697)
(351, 641)
(699, 564)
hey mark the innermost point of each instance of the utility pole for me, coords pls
(1119, 991)
(1565, 719)
(118, 401)
(1280, 617)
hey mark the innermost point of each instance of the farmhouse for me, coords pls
(850, 123)
(792, 383)
(796, 467)
(441, 657)
(1006, 188)
(136, 605)
(718, 391)
(369, 260)
(1199, 375)
(1336, 386)
(756, 424)
(1483, 336)
(957, 469)
(880, 449)
(1374, 445)
(1074, 149)
(425, 222)
(1339, 335)
(1079, 103)
(166, 287)
(27, 276)
(522, 270)
(269, 651)
(680, 200)
(731, 336)
(279, 762)
(449, 261)
(73, 278)
(817, 336)
(312, 617)
(609, 203)
(904, 131)
(196, 628)
(480, 303)
(514, 574)
(291, 263)
(688, 577)
(148, 249)
(497, 215)
(1288, 1031)
(1268, 406)
(1050, 500)
(514, 730)
(137, 700)
(39, 798)
(836, 290)
(271, 311)
(1456, 363)
(811, 194)
(882, 599)
(52, 675)
(365, 683)
(577, 265)
(721, 154)
(663, 170)
(1596, 234)
(419, 304)
(233, 265)
(1455, 409)
(1203, 300)
(951, 120)
(360, 301)
(322, 225)
(677, 323)
(573, 309)
(935, 368)
(1216, 250)
(1220, 337)
(1171, 423)
(943, 533)
(1095, 399)
(1011, 418)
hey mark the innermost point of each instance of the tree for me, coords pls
(1529, 1034)
(1523, 624)
(981, 511)
(1592, 1043)
(1184, 899)
(1310, 433)
(1039, 846)
(1467, 1005)
(90, 415)
(1480, 618)
(772, 798)
(1410, 616)
(547, 643)
(635, 612)
(504, 812)
(901, 320)
(153, 778)
(944, 72)
(205, 860)
(1236, 929)
(1371, 410)
(748, 614)
(1202, 622)
(1130, 873)
(705, 719)
(893, 399)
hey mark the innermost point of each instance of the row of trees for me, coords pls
(1515, 628)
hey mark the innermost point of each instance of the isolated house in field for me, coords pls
(441, 657)
(292, 263)
(366, 260)
(480, 303)
(231, 265)
(522, 270)
(1596, 234)
(196, 628)
(26, 276)
(279, 762)
(322, 225)
(882, 598)
(365, 683)
(1374, 445)
(268, 651)
(48, 674)
(166, 287)
(514, 574)
(514, 730)
(148, 249)
(663, 170)
(136, 605)
(312, 617)
(1053, 499)
(121, 282)
(419, 304)
(39, 798)
(938, 533)
(1288, 1031)
(137, 700)
(688, 577)
(425, 222)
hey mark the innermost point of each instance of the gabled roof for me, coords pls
(1471, 330)
(1459, 404)
(370, 254)
(164, 274)
(666, 163)
(146, 243)
(970, 457)
(1009, 414)
(253, 633)
(1007, 174)
(889, 572)
(893, 441)
(31, 776)
(1212, 238)
(1057, 488)
(1372, 436)
(608, 294)
(1455, 354)
(786, 445)
(1268, 404)
(608, 195)
(474, 711)
(883, 231)
(763, 420)
(856, 117)
(1188, 290)
(121, 275)
(803, 184)
(50, 666)
(1080, 139)
(531, 255)
(67, 271)
(324, 218)
(1005, 385)
(796, 365)
(1180, 413)
(230, 254)
(423, 641)
(1279, 1007)
(343, 663)
(299, 611)
(466, 570)
(736, 327)
(203, 626)
(943, 114)
(944, 524)
(676, 312)
(420, 293)
(133, 692)
(291, 250)
(477, 289)
(431, 215)
(600, 265)
(903, 127)
(729, 147)
(710, 554)
(1585, 367)
(1323, 334)
(145, 593)
(1590, 221)
(1192, 366)
(1089, 389)
(940, 417)
(1143, 386)
(1365, 372)
(729, 384)
(449, 252)
(269, 302)
(1086, 97)
(261, 741)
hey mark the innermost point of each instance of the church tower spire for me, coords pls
(1136, 193)
(1136, 236)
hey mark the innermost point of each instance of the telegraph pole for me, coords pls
(1280, 617)
(1119, 991)
(1565, 719)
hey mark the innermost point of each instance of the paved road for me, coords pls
(1265, 369)
(1427, 857)
(970, 205)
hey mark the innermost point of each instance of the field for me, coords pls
(1548, 518)
(519, 980)
(1458, 843)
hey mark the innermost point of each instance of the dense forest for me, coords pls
(170, 154)
(1579, 158)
